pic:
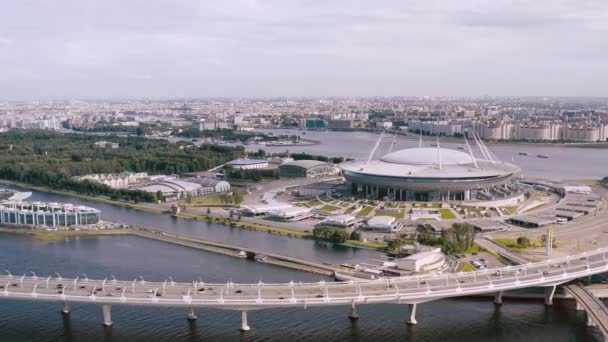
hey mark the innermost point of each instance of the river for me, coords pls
(129, 257)
(564, 162)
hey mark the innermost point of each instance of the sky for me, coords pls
(64, 49)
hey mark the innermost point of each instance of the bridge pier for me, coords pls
(590, 322)
(354, 313)
(107, 314)
(66, 309)
(498, 298)
(579, 307)
(549, 292)
(412, 320)
(244, 325)
(191, 315)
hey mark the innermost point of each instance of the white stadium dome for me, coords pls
(428, 156)
(430, 174)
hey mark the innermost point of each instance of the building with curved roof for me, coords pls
(307, 168)
(431, 174)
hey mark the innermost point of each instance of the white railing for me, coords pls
(428, 287)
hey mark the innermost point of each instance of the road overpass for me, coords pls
(411, 290)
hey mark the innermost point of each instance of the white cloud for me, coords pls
(313, 47)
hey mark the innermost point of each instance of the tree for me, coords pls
(139, 131)
(333, 234)
(395, 244)
(523, 242)
(355, 235)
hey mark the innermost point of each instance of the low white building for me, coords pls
(173, 189)
(106, 144)
(291, 214)
(339, 221)
(248, 164)
(424, 214)
(115, 180)
(210, 185)
(263, 209)
(422, 262)
(386, 224)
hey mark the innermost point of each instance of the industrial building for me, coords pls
(307, 168)
(174, 189)
(47, 214)
(248, 164)
(432, 174)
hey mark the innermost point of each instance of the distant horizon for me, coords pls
(310, 97)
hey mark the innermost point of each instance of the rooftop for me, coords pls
(247, 161)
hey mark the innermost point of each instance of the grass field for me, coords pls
(330, 208)
(447, 214)
(465, 267)
(365, 211)
(399, 215)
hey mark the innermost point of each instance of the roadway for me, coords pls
(410, 290)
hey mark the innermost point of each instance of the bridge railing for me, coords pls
(350, 293)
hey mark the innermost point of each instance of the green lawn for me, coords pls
(465, 267)
(399, 215)
(474, 249)
(447, 214)
(329, 208)
(365, 211)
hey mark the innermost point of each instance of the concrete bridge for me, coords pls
(411, 290)
(597, 312)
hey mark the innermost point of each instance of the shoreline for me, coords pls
(185, 215)
(412, 136)
(300, 264)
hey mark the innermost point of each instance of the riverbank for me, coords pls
(189, 215)
(413, 136)
(326, 269)
(137, 206)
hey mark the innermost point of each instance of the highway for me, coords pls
(414, 289)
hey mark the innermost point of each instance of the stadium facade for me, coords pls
(432, 174)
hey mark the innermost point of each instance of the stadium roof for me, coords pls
(428, 156)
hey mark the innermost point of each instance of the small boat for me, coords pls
(542, 156)
(242, 254)
(523, 154)
(460, 148)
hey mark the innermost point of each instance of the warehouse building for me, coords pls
(307, 168)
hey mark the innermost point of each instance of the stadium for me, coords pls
(432, 174)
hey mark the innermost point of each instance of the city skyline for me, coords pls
(275, 49)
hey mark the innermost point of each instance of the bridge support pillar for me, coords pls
(590, 322)
(107, 314)
(354, 313)
(244, 325)
(549, 292)
(412, 320)
(191, 315)
(66, 309)
(498, 298)
(579, 307)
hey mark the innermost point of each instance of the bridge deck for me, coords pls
(594, 307)
(414, 289)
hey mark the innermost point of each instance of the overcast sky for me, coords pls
(188, 48)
